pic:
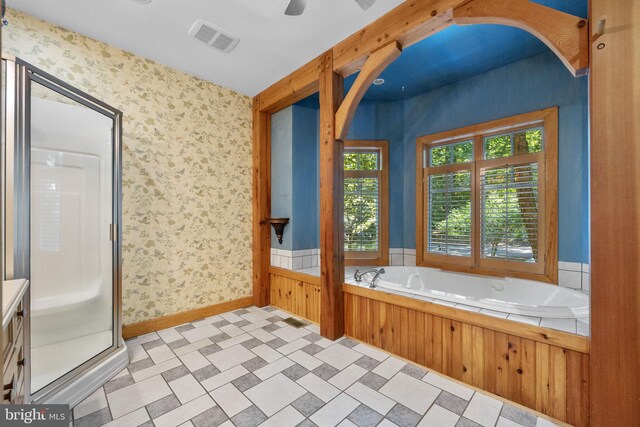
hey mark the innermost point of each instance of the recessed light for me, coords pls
(141, 1)
(378, 81)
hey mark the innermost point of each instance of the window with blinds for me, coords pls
(449, 213)
(365, 202)
(488, 196)
(509, 212)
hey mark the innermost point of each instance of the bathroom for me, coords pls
(438, 247)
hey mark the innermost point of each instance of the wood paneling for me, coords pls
(531, 332)
(549, 378)
(615, 214)
(295, 293)
(157, 324)
(331, 204)
(261, 203)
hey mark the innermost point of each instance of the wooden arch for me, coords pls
(370, 51)
(566, 35)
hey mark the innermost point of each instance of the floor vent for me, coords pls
(294, 322)
(213, 36)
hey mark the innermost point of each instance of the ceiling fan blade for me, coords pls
(296, 7)
(365, 4)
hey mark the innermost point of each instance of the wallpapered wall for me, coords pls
(186, 169)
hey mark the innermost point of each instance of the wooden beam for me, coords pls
(566, 35)
(408, 23)
(331, 204)
(615, 215)
(295, 87)
(261, 203)
(375, 64)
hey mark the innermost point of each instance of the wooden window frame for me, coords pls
(546, 269)
(381, 256)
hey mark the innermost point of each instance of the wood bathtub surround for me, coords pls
(539, 368)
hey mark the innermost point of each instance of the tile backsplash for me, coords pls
(574, 275)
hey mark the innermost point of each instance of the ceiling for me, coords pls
(458, 53)
(271, 46)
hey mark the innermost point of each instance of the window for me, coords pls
(487, 197)
(366, 195)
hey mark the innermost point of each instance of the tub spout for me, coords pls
(357, 276)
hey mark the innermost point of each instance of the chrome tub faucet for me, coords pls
(357, 275)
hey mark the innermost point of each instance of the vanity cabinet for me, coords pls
(14, 318)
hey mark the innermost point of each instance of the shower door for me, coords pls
(67, 157)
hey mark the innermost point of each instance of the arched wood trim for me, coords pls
(375, 64)
(566, 35)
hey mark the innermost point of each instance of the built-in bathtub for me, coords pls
(502, 294)
(467, 327)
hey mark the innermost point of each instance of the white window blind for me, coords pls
(449, 213)
(509, 212)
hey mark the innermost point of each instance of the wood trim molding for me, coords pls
(293, 88)
(382, 256)
(536, 333)
(261, 203)
(164, 322)
(375, 64)
(566, 35)
(546, 270)
(410, 22)
(331, 205)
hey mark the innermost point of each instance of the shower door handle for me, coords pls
(113, 232)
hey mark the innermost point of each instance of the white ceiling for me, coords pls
(271, 46)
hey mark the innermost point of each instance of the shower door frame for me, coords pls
(18, 250)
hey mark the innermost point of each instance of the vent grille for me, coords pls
(294, 322)
(213, 36)
(206, 34)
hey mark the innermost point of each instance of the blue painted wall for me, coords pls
(306, 187)
(536, 82)
(281, 173)
(294, 175)
(533, 83)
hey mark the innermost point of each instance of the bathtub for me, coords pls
(504, 294)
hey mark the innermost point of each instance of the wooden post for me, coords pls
(261, 204)
(615, 214)
(331, 204)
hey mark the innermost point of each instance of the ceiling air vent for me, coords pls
(213, 36)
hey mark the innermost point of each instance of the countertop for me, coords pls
(12, 292)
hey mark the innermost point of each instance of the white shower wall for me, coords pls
(71, 252)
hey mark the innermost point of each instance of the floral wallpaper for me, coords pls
(186, 169)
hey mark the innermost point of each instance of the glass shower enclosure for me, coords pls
(64, 148)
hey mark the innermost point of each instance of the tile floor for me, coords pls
(249, 368)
